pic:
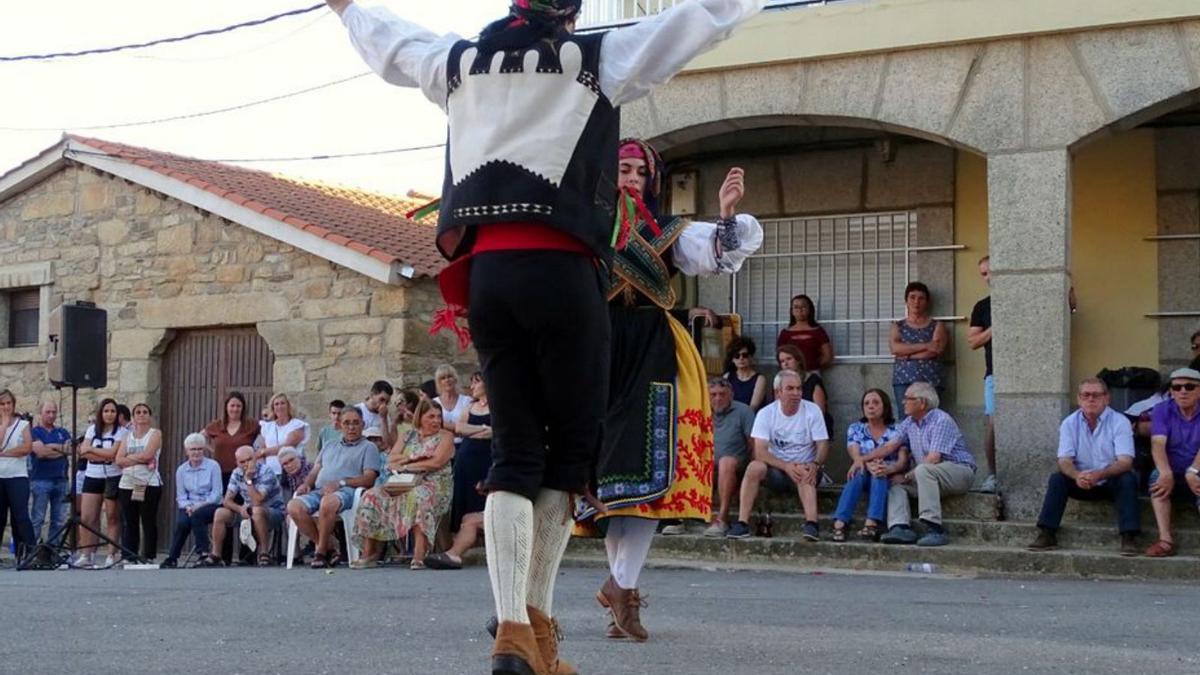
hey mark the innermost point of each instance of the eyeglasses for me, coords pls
(1091, 394)
(742, 355)
(1190, 386)
(911, 398)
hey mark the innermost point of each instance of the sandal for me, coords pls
(442, 561)
(1160, 549)
(839, 534)
(264, 560)
(335, 559)
(364, 564)
(211, 561)
(869, 532)
(319, 562)
(417, 565)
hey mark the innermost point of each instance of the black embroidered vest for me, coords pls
(531, 139)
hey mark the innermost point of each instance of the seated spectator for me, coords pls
(472, 460)
(749, 385)
(733, 422)
(351, 463)
(406, 403)
(1174, 439)
(332, 431)
(1095, 462)
(790, 444)
(253, 502)
(944, 466)
(197, 496)
(295, 470)
(285, 429)
(375, 435)
(375, 409)
(425, 451)
(873, 476)
(789, 357)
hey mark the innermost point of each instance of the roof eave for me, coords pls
(33, 171)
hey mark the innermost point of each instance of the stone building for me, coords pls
(214, 278)
(903, 140)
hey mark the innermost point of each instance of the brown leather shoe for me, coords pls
(516, 651)
(612, 632)
(624, 605)
(545, 631)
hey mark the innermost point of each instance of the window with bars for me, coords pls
(854, 267)
(23, 308)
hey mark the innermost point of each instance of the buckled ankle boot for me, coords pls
(516, 651)
(545, 631)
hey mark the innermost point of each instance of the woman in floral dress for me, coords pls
(426, 451)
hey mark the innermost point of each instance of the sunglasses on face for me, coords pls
(1190, 386)
(742, 355)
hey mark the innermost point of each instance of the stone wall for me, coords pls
(1177, 155)
(159, 265)
(919, 178)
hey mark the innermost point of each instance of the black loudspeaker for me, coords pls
(78, 346)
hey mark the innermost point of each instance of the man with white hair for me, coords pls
(790, 445)
(944, 466)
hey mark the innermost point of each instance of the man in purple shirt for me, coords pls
(1174, 440)
(944, 466)
(1095, 462)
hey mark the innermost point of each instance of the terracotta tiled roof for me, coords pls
(389, 204)
(371, 223)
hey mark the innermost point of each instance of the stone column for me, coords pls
(1029, 211)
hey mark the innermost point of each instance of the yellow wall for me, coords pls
(1113, 267)
(888, 25)
(970, 229)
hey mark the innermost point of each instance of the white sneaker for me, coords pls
(84, 562)
(674, 529)
(111, 560)
(246, 534)
(717, 529)
(989, 485)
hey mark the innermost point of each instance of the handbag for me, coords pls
(399, 483)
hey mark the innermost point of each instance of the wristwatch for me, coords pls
(1193, 470)
(342, 483)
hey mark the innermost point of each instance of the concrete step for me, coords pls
(955, 558)
(1073, 535)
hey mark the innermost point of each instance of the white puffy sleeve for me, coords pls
(695, 251)
(400, 51)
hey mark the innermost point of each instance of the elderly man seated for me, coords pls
(1095, 462)
(295, 470)
(260, 509)
(944, 466)
(1174, 439)
(197, 494)
(733, 422)
(790, 445)
(352, 462)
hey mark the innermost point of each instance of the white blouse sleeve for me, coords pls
(695, 252)
(637, 58)
(401, 52)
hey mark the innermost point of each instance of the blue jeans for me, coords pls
(48, 495)
(14, 497)
(1121, 490)
(877, 489)
(197, 524)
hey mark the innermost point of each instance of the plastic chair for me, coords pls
(347, 524)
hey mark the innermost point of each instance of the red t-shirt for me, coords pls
(809, 341)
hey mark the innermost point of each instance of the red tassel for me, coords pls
(448, 318)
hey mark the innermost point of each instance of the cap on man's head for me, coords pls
(1185, 374)
(373, 432)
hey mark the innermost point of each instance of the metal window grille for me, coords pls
(23, 306)
(607, 13)
(854, 267)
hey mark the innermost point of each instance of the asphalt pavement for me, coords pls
(393, 620)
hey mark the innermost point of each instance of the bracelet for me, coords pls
(727, 234)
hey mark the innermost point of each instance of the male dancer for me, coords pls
(527, 214)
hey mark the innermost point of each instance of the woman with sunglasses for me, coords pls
(749, 385)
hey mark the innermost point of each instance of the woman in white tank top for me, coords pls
(140, 487)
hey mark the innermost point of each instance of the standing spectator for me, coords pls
(100, 483)
(807, 335)
(197, 495)
(472, 460)
(14, 472)
(1095, 462)
(873, 475)
(790, 445)
(733, 423)
(980, 335)
(351, 463)
(140, 486)
(253, 503)
(1195, 345)
(1174, 439)
(944, 467)
(331, 432)
(749, 385)
(234, 428)
(124, 417)
(285, 429)
(48, 473)
(426, 451)
(451, 400)
(918, 341)
(376, 408)
(295, 470)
